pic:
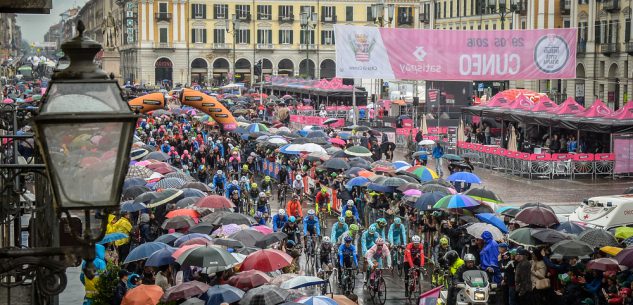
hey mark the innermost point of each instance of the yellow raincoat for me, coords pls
(123, 226)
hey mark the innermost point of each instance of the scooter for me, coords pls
(475, 290)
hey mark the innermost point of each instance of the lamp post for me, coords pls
(308, 23)
(502, 10)
(233, 21)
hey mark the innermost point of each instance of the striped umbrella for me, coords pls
(165, 183)
(457, 201)
(425, 173)
(257, 127)
(180, 175)
(156, 155)
(138, 172)
(191, 192)
(197, 185)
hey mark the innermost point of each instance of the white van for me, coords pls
(606, 212)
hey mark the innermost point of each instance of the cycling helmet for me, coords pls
(292, 219)
(298, 177)
(349, 213)
(397, 220)
(254, 185)
(326, 239)
(381, 221)
(244, 179)
(444, 241)
(324, 190)
(245, 167)
(348, 239)
(290, 243)
(201, 168)
(282, 212)
(262, 194)
(295, 196)
(380, 241)
(310, 212)
(372, 230)
(219, 172)
(341, 219)
(234, 182)
(451, 256)
(267, 178)
(333, 175)
(350, 202)
(468, 257)
(415, 239)
(353, 227)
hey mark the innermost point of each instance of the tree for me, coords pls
(107, 285)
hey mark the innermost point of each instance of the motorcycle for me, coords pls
(475, 290)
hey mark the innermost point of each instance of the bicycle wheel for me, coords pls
(349, 286)
(381, 291)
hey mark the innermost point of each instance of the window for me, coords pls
(349, 13)
(613, 31)
(264, 12)
(598, 30)
(464, 7)
(444, 9)
(162, 33)
(199, 35)
(308, 8)
(627, 31)
(582, 31)
(405, 15)
(328, 13)
(162, 7)
(310, 40)
(219, 35)
(285, 36)
(243, 12)
(199, 11)
(327, 37)
(264, 36)
(370, 16)
(566, 23)
(220, 11)
(473, 10)
(243, 36)
(451, 9)
(494, 26)
(285, 12)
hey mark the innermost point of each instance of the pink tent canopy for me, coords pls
(497, 101)
(522, 102)
(624, 113)
(597, 110)
(544, 104)
(568, 107)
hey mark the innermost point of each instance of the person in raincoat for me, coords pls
(489, 257)
(124, 226)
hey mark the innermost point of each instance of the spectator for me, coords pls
(522, 278)
(121, 287)
(438, 153)
(162, 277)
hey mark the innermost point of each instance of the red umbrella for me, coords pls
(183, 212)
(249, 279)
(266, 260)
(337, 141)
(183, 249)
(185, 290)
(196, 241)
(154, 166)
(214, 202)
(604, 264)
(538, 215)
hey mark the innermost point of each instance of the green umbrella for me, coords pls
(523, 236)
(452, 157)
(214, 259)
(358, 151)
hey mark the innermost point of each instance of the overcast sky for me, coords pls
(34, 26)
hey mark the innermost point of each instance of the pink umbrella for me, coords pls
(183, 249)
(143, 163)
(412, 192)
(7, 101)
(227, 230)
(337, 141)
(262, 229)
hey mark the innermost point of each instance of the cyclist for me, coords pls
(233, 186)
(349, 217)
(322, 199)
(262, 203)
(245, 184)
(235, 198)
(311, 225)
(351, 207)
(254, 192)
(413, 257)
(267, 184)
(440, 250)
(352, 232)
(259, 218)
(452, 261)
(338, 228)
(397, 233)
(218, 180)
(245, 170)
(279, 220)
(297, 185)
(347, 252)
(291, 229)
(325, 254)
(381, 227)
(282, 175)
(293, 208)
(368, 239)
(376, 257)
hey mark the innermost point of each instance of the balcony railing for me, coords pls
(329, 19)
(629, 47)
(424, 17)
(308, 47)
(405, 21)
(221, 46)
(608, 48)
(244, 17)
(611, 5)
(264, 16)
(265, 46)
(163, 16)
(287, 18)
(565, 7)
(164, 45)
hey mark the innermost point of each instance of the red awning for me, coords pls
(568, 107)
(544, 104)
(597, 110)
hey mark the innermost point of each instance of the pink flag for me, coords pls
(430, 297)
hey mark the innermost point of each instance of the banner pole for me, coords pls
(354, 119)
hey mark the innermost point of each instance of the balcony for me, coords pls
(265, 46)
(264, 16)
(424, 17)
(581, 47)
(304, 47)
(629, 48)
(164, 46)
(329, 19)
(287, 19)
(565, 7)
(405, 21)
(163, 17)
(221, 46)
(608, 48)
(244, 17)
(611, 5)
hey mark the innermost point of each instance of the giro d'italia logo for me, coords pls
(551, 53)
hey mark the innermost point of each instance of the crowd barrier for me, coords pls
(539, 165)
(315, 120)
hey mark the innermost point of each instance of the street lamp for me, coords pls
(227, 22)
(85, 131)
(308, 23)
(378, 13)
(502, 10)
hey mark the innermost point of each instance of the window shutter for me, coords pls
(270, 36)
(204, 11)
(280, 39)
(598, 30)
(333, 42)
(204, 35)
(323, 14)
(248, 36)
(369, 16)
(215, 11)
(292, 36)
(193, 10)
(627, 30)
(301, 39)
(334, 13)
(322, 37)
(193, 35)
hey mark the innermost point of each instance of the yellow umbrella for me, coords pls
(613, 251)
(623, 232)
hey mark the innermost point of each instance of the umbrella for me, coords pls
(549, 236)
(598, 238)
(493, 220)
(215, 202)
(394, 181)
(317, 134)
(356, 181)
(464, 177)
(161, 257)
(264, 295)
(537, 215)
(337, 141)
(227, 230)
(159, 198)
(108, 238)
(604, 264)
(523, 236)
(156, 155)
(135, 181)
(625, 257)
(452, 157)
(426, 142)
(420, 153)
(178, 222)
(131, 206)
(143, 251)
(249, 279)
(143, 295)
(266, 260)
(135, 171)
(570, 228)
(302, 281)
(623, 232)
(476, 229)
(318, 300)
(428, 200)
(197, 185)
(380, 188)
(412, 193)
(183, 212)
(336, 163)
(179, 242)
(257, 127)
(212, 258)
(572, 248)
(457, 201)
(330, 121)
(202, 228)
(193, 301)
(423, 172)
(270, 239)
(613, 251)
(536, 204)
(229, 243)
(222, 218)
(359, 163)
(184, 291)
(262, 229)
(191, 192)
(247, 237)
(483, 194)
(434, 188)
(343, 300)
(354, 170)
(358, 151)
(134, 191)
(222, 294)
(186, 202)
(168, 238)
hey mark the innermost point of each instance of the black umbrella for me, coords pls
(178, 222)
(197, 185)
(536, 204)
(628, 190)
(187, 201)
(247, 237)
(407, 178)
(246, 250)
(203, 228)
(330, 121)
(336, 163)
(169, 238)
(270, 239)
(538, 215)
(264, 295)
(428, 200)
(317, 134)
(409, 186)
(511, 212)
(342, 154)
(570, 227)
(572, 248)
(230, 243)
(549, 236)
(598, 238)
(301, 141)
(225, 218)
(134, 191)
(468, 219)
(353, 171)
(434, 188)
(156, 155)
(441, 182)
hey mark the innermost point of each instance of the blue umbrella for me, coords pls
(222, 294)
(190, 236)
(130, 182)
(345, 135)
(318, 300)
(284, 151)
(570, 228)
(131, 206)
(428, 200)
(161, 257)
(112, 237)
(191, 192)
(169, 238)
(399, 164)
(503, 209)
(464, 177)
(143, 251)
(493, 220)
(358, 181)
(380, 188)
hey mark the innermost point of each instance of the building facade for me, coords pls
(10, 36)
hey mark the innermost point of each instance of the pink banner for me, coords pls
(416, 54)
(315, 120)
